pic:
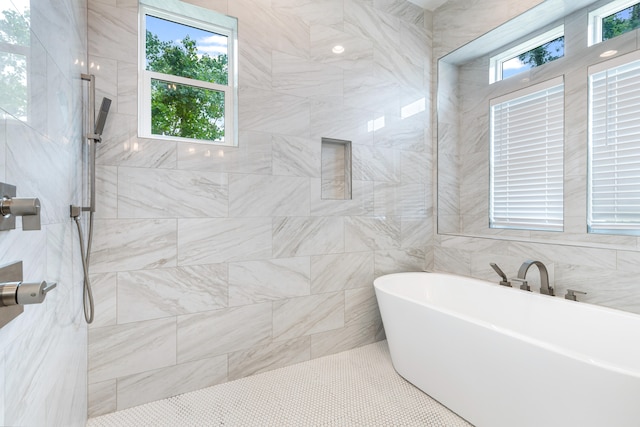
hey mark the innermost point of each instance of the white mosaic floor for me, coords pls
(355, 388)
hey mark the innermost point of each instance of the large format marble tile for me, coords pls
(335, 341)
(400, 199)
(360, 203)
(116, 351)
(133, 244)
(121, 147)
(253, 282)
(104, 290)
(302, 316)
(102, 398)
(217, 332)
(151, 294)
(268, 357)
(213, 240)
(294, 156)
(330, 273)
(407, 11)
(398, 261)
(252, 155)
(265, 195)
(326, 12)
(265, 26)
(333, 120)
(302, 236)
(106, 192)
(254, 65)
(375, 164)
(113, 31)
(361, 306)
(365, 234)
(361, 19)
(273, 112)
(301, 77)
(127, 102)
(161, 383)
(159, 193)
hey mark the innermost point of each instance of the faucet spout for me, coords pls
(544, 276)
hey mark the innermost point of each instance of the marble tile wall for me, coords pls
(43, 352)
(604, 266)
(213, 263)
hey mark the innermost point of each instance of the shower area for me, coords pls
(208, 263)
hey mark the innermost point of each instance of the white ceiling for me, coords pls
(429, 4)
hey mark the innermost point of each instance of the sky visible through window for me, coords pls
(552, 50)
(621, 22)
(207, 42)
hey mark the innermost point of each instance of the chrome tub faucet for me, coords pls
(544, 277)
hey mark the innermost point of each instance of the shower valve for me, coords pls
(27, 208)
(19, 293)
(12, 206)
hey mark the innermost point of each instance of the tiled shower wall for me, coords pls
(43, 352)
(606, 267)
(213, 263)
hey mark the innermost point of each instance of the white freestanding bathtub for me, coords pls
(501, 356)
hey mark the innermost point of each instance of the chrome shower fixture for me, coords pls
(102, 118)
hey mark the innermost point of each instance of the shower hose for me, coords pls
(87, 294)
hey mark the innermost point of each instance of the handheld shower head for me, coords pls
(102, 116)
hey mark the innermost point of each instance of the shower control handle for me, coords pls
(27, 208)
(20, 293)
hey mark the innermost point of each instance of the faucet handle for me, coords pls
(524, 286)
(571, 294)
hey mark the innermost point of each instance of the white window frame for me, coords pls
(497, 61)
(596, 17)
(193, 16)
(601, 226)
(529, 221)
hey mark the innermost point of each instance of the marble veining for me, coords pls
(297, 317)
(131, 348)
(222, 331)
(151, 294)
(236, 245)
(253, 282)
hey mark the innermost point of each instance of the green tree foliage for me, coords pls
(545, 53)
(14, 36)
(181, 110)
(621, 22)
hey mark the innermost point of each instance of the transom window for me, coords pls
(613, 19)
(188, 88)
(536, 51)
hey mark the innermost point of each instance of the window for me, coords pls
(188, 72)
(526, 155)
(613, 19)
(614, 146)
(539, 50)
(14, 60)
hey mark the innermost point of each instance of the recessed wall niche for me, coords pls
(336, 169)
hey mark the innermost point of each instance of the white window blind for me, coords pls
(614, 147)
(527, 139)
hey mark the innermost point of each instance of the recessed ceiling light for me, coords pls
(338, 49)
(608, 53)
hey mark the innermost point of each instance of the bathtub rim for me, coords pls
(573, 354)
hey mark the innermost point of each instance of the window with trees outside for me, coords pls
(14, 60)
(188, 89)
(613, 19)
(536, 51)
